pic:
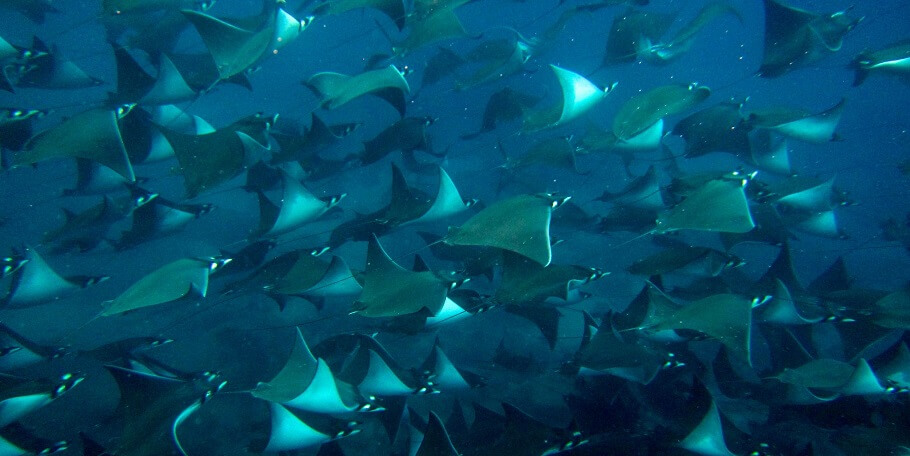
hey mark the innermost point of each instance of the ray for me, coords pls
(336, 89)
(642, 193)
(804, 126)
(440, 25)
(517, 54)
(235, 48)
(212, 159)
(707, 438)
(84, 231)
(34, 10)
(300, 273)
(374, 372)
(92, 135)
(720, 128)
(394, 9)
(524, 434)
(631, 31)
(15, 439)
(597, 140)
(719, 205)
(769, 152)
(444, 376)
(504, 105)
(552, 152)
(17, 351)
(608, 354)
(390, 290)
(643, 111)
(298, 206)
(175, 280)
(305, 148)
(446, 204)
(17, 127)
(520, 224)
(892, 60)
(153, 408)
(725, 317)
(436, 440)
(785, 309)
(50, 70)
(795, 38)
(407, 135)
(835, 377)
(685, 258)
(579, 95)
(306, 383)
(19, 397)
(157, 217)
(36, 283)
(682, 41)
(442, 64)
(526, 283)
(290, 432)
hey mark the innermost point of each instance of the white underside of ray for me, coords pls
(337, 281)
(253, 151)
(169, 87)
(321, 395)
(38, 282)
(67, 75)
(179, 420)
(176, 119)
(159, 149)
(8, 449)
(290, 433)
(648, 139)
(770, 152)
(448, 202)
(817, 129)
(800, 395)
(863, 382)
(447, 376)
(7, 51)
(707, 439)
(287, 29)
(171, 219)
(578, 94)
(450, 312)
(298, 206)
(14, 408)
(380, 380)
(104, 180)
(821, 224)
(18, 359)
(898, 65)
(815, 199)
(781, 309)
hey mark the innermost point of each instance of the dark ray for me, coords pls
(504, 105)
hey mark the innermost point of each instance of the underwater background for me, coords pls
(639, 390)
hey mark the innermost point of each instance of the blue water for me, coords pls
(247, 338)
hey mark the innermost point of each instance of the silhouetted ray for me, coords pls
(407, 135)
(20, 397)
(632, 31)
(504, 105)
(720, 128)
(681, 43)
(156, 218)
(34, 10)
(699, 261)
(725, 317)
(50, 70)
(795, 38)
(153, 408)
(642, 193)
(394, 9)
(298, 206)
(17, 127)
(17, 351)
